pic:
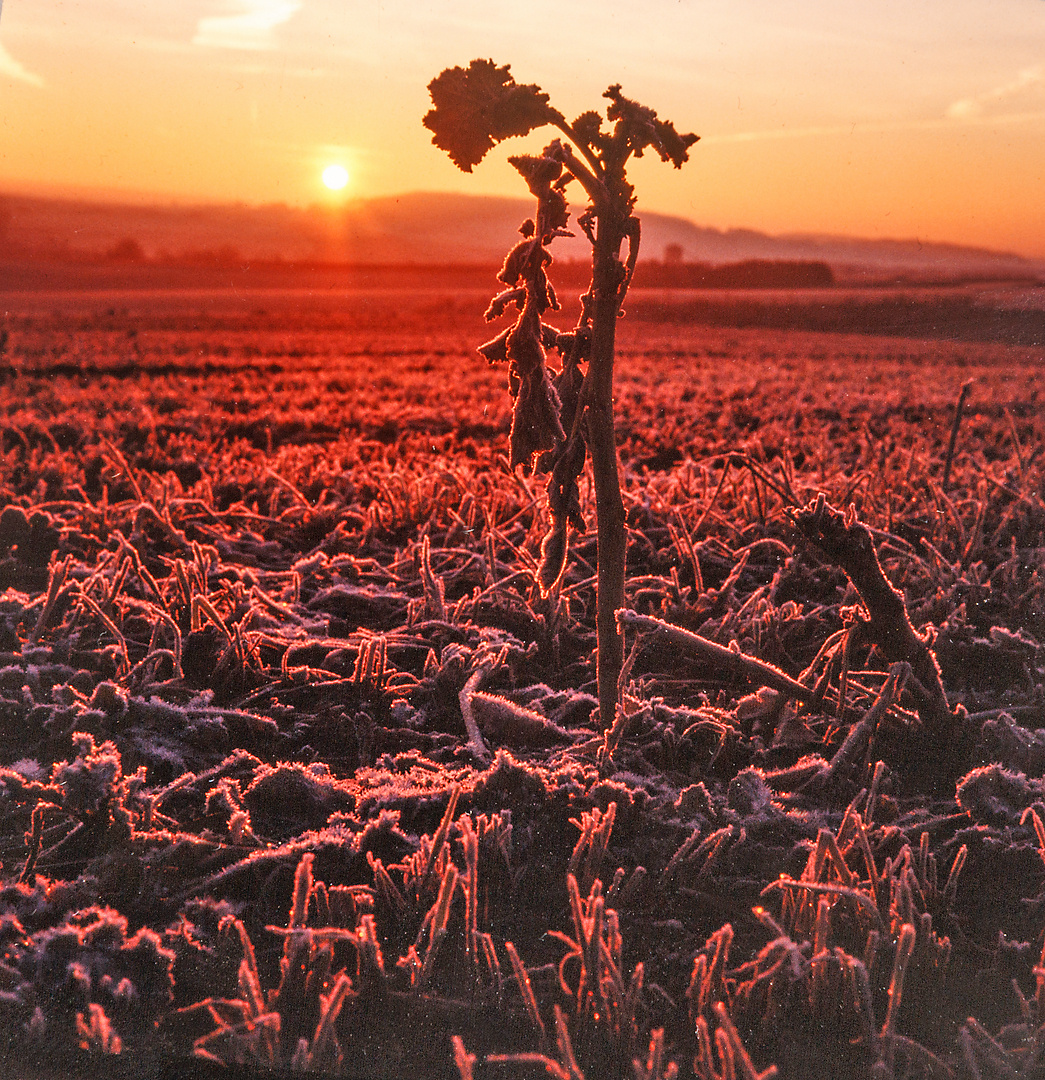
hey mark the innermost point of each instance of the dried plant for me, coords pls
(558, 420)
(590, 849)
(884, 621)
(601, 992)
(734, 1060)
(293, 1023)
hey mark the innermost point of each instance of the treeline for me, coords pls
(749, 274)
(669, 274)
(130, 255)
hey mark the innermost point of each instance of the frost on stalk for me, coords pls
(536, 419)
(556, 426)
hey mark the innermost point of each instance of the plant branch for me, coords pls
(736, 663)
(848, 543)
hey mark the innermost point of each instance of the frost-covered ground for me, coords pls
(298, 769)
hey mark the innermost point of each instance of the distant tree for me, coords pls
(673, 254)
(560, 418)
(127, 250)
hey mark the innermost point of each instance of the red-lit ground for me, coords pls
(260, 554)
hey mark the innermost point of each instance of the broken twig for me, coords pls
(737, 663)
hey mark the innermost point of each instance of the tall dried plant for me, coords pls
(560, 418)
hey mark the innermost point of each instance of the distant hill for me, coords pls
(429, 228)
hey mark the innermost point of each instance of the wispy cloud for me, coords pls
(779, 133)
(972, 108)
(941, 123)
(251, 25)
(10, 68)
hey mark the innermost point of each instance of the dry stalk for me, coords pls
(848, 543)
(558, 423)
(966, 387)
(733, 662)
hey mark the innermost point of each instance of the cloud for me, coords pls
(881, 127)
(252, 26)
(10, 68)
(779, 133)
(973, 107)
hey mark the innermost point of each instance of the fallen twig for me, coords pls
(475, 737)
(748, 667)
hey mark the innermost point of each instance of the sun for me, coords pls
(335, 177)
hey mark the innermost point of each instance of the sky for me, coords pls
(906, 119)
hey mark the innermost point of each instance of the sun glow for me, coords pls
(335, 177)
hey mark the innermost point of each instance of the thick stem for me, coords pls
(607, 278)
(848, 543)
(746, 667)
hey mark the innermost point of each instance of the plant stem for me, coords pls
(607, 278)
(966, 387)
(734, 663)
(848, 543)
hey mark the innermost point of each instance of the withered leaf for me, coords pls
(477, 107)
(497, 305)
(588, 127)
(496, 349)
(538, 172)
(553, 557)
(536, 426)
(642, 128)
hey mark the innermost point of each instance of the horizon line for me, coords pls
(132, 199)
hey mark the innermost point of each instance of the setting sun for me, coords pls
(335, 177)
(933, 129)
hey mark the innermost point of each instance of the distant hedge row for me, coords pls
(750, 274)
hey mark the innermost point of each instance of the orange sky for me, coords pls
(881, 118)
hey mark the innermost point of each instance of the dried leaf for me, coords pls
(642, 128)
(478, 106)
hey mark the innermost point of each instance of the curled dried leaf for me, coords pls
(518, 262)
(553, 557)
(477, 107)
(542, 175)
(496, 349)
(501, 301)
(536, 426)
(588, 128)
(538, 172)
(643, 128)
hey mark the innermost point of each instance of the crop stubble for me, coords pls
(263, 553)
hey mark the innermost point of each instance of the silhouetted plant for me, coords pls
(558, 419)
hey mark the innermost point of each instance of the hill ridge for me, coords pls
(422, 227)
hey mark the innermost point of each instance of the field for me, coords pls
(299, 770)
